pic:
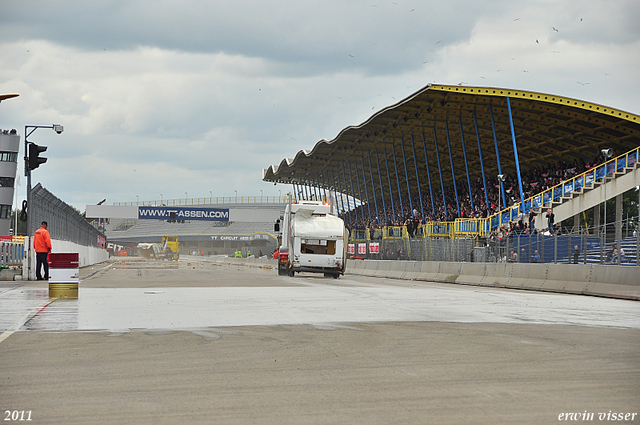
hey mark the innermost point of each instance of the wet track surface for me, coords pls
(198, 294)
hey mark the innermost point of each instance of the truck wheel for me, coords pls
(335, 276)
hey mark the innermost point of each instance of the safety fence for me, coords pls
(64, 222)
(587, 246)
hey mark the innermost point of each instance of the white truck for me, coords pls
(313, 240)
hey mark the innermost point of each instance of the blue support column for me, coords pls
(453, 174)
(515, 154)
(384, 207)
(315, 189)
(353, 196)
(364, 179)
(466, 165)
(306, 190)
(355, 165)
(426, 161)
(415, 162)
(323, 188)
(444, 199)
(406, 175)
(495, 140)
(335, 194)
(393, 210)
(346, 191)
(395, 162)
(373, 187)
(344, 210)
(295, 192)
(484, 181)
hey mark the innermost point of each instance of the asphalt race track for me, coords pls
(200, 342)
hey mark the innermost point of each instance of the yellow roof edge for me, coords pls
(541, 97)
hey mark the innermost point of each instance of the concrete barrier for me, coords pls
(599, 280)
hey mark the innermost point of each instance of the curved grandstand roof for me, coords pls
(547, 128)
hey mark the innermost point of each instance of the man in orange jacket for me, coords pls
(42, 246)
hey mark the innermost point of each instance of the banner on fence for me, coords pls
(362, 248)
(351, 249)
(374, 247)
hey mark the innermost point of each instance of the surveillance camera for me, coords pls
(58, 128)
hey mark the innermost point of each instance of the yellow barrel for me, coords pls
(63, 290)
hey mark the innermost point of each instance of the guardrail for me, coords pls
(212, 200)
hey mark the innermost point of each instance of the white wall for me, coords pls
(88, 255)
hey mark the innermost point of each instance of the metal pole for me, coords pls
(426, 160)
(366, 191)
(444, 199)
(353, 196)
(484, 181)
(415, 162)
(384, 207)
(344, 177)
(466, 166)
(453, 173)
(515, 154)
(495, 140)
(393, 210)
(395, 163)
(406, 175)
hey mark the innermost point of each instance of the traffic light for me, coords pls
(34, 155)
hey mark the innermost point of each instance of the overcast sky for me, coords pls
(168, 97)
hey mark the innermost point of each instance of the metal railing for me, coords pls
(212, 200)
(563, 189)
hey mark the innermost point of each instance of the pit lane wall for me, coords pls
(609, 281)
(88, 255)
(592, 279)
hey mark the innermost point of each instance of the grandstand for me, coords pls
(472, 162)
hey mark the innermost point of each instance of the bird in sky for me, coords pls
(537, 41)
(439, 42)
(582, 83)
(351, 56)
(555, 29)
(517, 19)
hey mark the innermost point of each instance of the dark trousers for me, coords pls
(41, 260)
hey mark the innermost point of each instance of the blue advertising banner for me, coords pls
(183, 213)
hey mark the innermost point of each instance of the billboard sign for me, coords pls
(183, 213)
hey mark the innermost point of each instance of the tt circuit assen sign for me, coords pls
(183, 213)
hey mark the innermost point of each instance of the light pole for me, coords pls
(501, 179)
(31, 163)
(607, 154)
(137, 200)
(186, 197)
(161, 201)
(236, 195)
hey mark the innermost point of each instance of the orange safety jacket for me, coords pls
(42, 240)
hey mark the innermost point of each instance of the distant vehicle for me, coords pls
(169, 249)
(313, 240)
